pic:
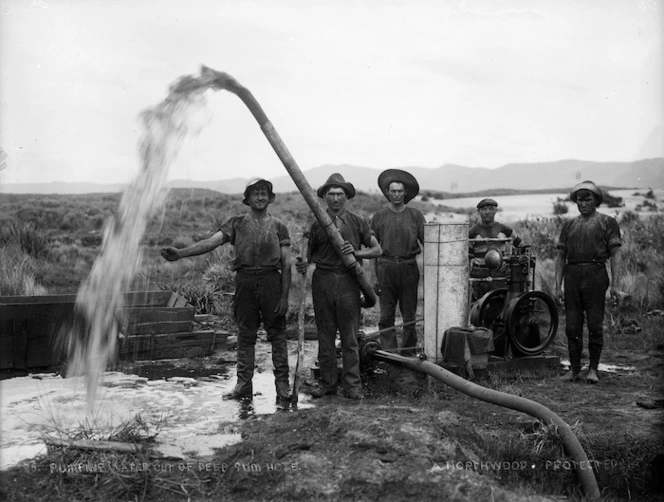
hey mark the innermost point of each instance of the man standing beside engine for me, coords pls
(262, 264)
(400, 232)
(488, 228)
(335, 291)
(585, 244)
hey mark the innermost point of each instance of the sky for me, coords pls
(372, 83)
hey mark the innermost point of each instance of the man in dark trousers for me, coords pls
(262, 264)
(400, 232)
(586, 243)
(488, 228)
(336, 293)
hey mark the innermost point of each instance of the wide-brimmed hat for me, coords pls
(252, 183)
(397, 175)
(486, 202)
(336, 180)
(587, 185)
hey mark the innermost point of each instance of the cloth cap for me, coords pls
(586, 185)
(252, 183)
(336, 180)
(486, 202)
(397, 175)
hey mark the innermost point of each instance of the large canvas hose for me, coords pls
(218, 80)
(572, 446)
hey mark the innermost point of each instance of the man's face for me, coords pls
(397, 193)
(335, 198)
(585, 201)
(487, 213)
(259, 198)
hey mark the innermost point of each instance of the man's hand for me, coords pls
(301, 265)
(560, 296)
(282, 307)
(347, 248)
(170, 254)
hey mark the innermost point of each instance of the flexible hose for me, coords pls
(539, 411)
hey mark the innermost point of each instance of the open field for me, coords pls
(408, 438)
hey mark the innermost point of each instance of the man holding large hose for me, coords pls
(586, 243)
(399, 230)
(262, 264)
(335, 291)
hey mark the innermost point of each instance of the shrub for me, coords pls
(559, 207)
(27, 236)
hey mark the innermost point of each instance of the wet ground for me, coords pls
(180, 399)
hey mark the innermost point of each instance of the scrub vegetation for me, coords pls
(405, 440)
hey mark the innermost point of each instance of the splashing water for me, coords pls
(100, 296)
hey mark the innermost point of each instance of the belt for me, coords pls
(591, 262)
(398, 259)
(334, 270)
(256, 271)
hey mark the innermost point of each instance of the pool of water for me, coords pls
(184, 406)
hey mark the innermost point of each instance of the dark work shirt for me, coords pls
(399, 232)
(353, 229)
(493, 231)
(587, 239)
(257, 243)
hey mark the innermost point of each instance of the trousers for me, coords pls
(256, 297)
(398, 282)
(336, 298)
(585, 290)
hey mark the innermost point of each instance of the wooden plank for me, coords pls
(90, 444)
(167, 340)
(158, 314)
(176, 300)
(147, 298)
(146, 328)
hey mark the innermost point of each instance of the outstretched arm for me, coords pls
(198, 248)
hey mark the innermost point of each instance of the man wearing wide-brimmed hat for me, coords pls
(400, 231)
(262, 281)
(488, 228)
(586, 243)
(336, 293)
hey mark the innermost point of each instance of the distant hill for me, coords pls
(447, 178)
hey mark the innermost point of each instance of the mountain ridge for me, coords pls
(645, 173)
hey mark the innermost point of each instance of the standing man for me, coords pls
(488, 228)
(400, 233)
(262, 281)
(586, 243)
(336, 293)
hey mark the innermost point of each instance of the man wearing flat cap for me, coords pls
(262, 281)
(399, 230)
(488, 228)
(336, 293)
(586, 243)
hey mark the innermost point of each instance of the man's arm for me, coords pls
(373, 251)
(616, 264)
(198, 248)
(282, 306)
(561, 259)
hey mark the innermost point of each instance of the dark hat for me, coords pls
(486, 202)
(252, 183)
(336, 180)
(586, 185)
(397, 175)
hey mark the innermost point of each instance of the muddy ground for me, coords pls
(414, 438)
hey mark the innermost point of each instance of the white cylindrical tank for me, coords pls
(445, 282)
